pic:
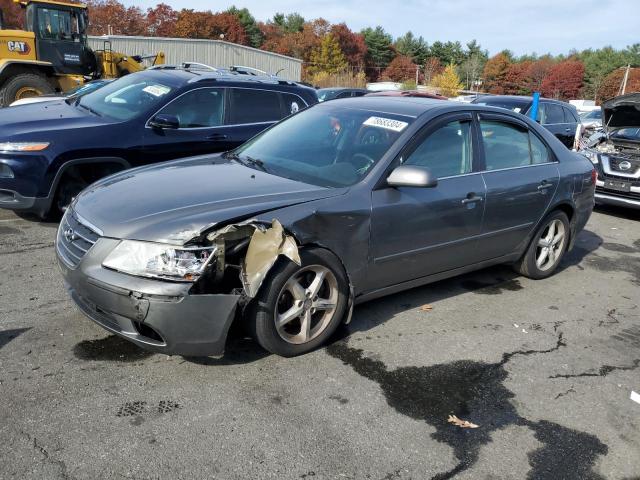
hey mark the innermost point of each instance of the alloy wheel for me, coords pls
(306, 304)
(550, 245)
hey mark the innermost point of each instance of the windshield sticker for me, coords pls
(387, 123)
(517, 110)
(156, 90)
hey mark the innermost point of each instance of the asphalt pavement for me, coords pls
(545, 369)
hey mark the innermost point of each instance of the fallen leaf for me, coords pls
(461, 423)
(426, 308)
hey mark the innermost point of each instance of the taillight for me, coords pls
(594, 176)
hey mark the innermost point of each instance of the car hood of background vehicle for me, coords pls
(43, 117)
(174, 201)
(622, 112)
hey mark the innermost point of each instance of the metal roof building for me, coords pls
(216, 53)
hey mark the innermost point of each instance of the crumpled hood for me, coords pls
(173, 202)
(31, 119)
(620, 112)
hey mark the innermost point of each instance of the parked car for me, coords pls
(616, 152)
(72, 94)
(592, 120)
(341, 203)
(326, 94)
(560, 118)
(50, 151)
(407, 93)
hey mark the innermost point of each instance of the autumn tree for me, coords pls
(448, 81)
(400, 69)
(161, 21)
(327, 57)
(193, 24)
(494, 73)
(13, 14)
(537, 72)
(432, 67)
(611, 84)
(516, 80)
(110, 16)
(564, 80)
(352, 44)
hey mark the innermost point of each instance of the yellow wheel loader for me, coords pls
(52, 54)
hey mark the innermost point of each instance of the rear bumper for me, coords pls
(155, 315)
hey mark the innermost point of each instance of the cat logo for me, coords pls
(22, 48)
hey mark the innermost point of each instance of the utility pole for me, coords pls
(623, 87)
(417, 75)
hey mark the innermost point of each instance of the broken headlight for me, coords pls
(156, 260)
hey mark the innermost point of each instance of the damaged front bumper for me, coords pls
(157, 315)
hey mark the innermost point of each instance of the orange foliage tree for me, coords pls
(564, 80)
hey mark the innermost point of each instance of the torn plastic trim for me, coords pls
(266, 244)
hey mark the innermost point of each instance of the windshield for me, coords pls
(593, 115)
(518, 106)
(627, 134)
(125, 98)
(86, 88)
(325, 146)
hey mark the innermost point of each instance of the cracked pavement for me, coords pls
(545, 368)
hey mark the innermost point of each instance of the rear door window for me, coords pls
(506, 145)
(253, 106)
(554, 114)
(569, 117)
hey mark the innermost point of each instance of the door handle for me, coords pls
(217, 137)
(545, 185)
(471, 198)
(567, 129)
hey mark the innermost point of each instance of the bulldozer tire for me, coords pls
(22, 86)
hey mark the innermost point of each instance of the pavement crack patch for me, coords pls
(564, 394)
(64, 472)
(475, 391)
(602, 371)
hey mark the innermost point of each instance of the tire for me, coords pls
(535, 264)
(67, 189)
(23, 86)
(276, 298)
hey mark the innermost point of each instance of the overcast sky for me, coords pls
(541, 26)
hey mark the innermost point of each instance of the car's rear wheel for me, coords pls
(299, 307)
(547, 247)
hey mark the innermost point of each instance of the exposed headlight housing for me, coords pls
(23, 146)
(591, 155)
(156, 260)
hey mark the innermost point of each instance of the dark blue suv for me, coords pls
(50, 151)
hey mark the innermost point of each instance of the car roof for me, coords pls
(521, 98)
(182, 76)
(414, 106)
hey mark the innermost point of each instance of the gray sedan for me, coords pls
(341, 203)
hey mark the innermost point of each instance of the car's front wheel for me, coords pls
(299, 307)
(547, 247)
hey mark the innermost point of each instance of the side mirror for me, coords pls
(164, 122)
(412, 176)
